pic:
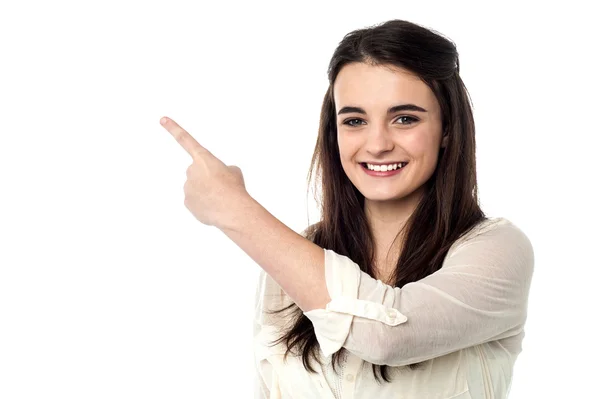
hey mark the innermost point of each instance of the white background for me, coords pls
(110, 288)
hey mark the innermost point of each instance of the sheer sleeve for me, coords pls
(261, 391)
(260, 388)
(480, 294)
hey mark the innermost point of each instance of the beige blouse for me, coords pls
(465, 322)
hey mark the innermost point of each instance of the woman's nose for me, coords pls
(379, 139)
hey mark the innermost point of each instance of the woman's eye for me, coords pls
(408, 119)
(352, 120)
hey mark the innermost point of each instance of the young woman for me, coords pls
(404, 288)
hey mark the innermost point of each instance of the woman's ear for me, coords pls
(444, 140)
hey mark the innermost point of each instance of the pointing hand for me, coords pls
(213, 190)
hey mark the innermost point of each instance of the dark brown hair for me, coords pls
(449, 207)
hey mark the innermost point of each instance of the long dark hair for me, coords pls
(449, 207)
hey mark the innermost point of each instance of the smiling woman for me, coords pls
(420, 288)
(404, 279)
(409, 133)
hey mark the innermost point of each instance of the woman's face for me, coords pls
(368, 133)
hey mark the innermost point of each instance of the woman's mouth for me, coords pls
(395, 169)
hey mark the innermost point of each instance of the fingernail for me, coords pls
(163, 121)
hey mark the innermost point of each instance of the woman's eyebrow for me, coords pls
(391, 110)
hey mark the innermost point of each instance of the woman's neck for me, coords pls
(386, 220)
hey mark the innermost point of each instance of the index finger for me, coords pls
(183, 138)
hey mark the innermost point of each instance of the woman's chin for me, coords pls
(383, 196)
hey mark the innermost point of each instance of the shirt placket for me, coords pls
(322, 385)
(353, 365)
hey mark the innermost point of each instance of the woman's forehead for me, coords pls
(368, 86)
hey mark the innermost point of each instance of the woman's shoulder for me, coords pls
(494, 228)
(495, 232)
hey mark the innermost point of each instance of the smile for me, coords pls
(380, 173)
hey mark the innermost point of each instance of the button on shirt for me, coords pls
(464, 324)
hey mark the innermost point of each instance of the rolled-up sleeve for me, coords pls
(480, 294)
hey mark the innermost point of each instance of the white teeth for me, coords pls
(384, 168)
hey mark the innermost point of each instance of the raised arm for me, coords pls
(480, 294)
(295, 263)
